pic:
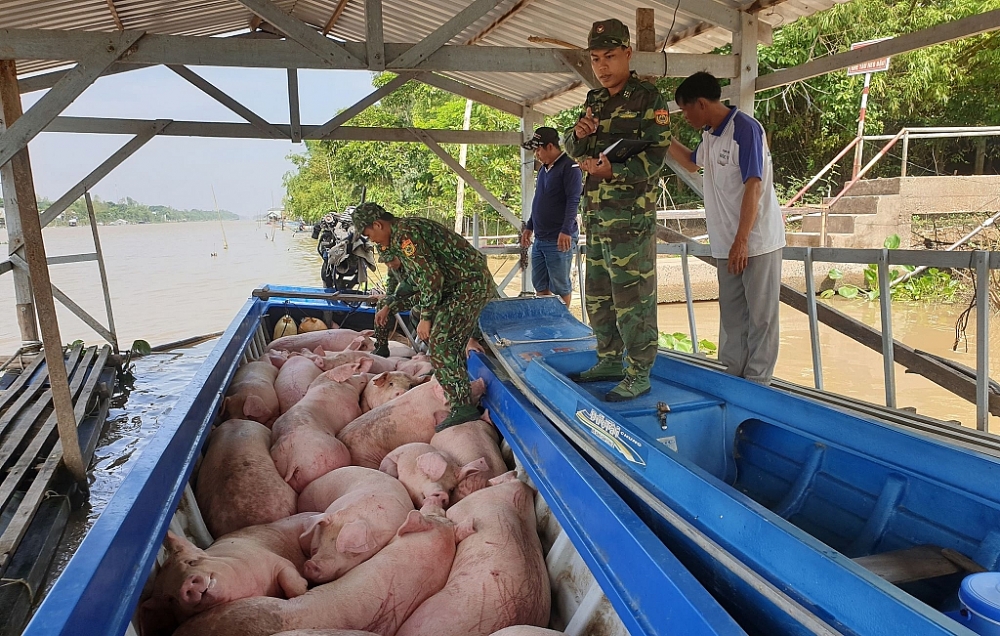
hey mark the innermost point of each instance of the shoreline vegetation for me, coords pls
(128, 211)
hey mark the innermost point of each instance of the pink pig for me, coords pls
(517, 630)
(251, 394)
(237, 484)
(499, 577)
(419, 365)
(429, 474)
(363, 510)
(409, 418)
(255, 561)
(467, 442)
(376, 596)
(328, 632)
(333, 359)
(328, 340)
(304, 440)
(294, 378)
(386, 386)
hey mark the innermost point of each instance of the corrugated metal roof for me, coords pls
(511, 23)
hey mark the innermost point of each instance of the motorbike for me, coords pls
(347, 255)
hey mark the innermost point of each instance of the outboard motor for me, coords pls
(347, 255)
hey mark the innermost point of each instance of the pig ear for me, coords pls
(342, 372)
(380, 379)
(355, 537)
(319, 351)
(473, 468)
(388, 466)
(368, 332)
(504, 478)
(177, 544)
(364, 364)
(417, 380)
(314, 522)
(439, 392)
(433, 465)
(254, 407)
(478, 387)
(464, 530)
(486, 416)
(415, 522)
(276, 359)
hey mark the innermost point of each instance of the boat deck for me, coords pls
(36, 492)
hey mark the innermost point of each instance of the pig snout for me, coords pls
(313, 571)
(194, 588)
(438, 499)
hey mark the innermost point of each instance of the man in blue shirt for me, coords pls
(553, 216)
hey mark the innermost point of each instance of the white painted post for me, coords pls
(529, 121)
(861, 128)
(745, 46)
(463, 155)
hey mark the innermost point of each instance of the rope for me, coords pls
(506, 342)
(24, 582)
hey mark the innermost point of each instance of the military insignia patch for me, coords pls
(662, 116)
(409, 249)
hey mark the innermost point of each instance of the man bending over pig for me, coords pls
(453, 284)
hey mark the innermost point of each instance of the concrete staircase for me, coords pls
(875, 209)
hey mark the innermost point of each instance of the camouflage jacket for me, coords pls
(437, 261)
(393, 279)
(639, 111)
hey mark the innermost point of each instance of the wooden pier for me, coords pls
(36, 491)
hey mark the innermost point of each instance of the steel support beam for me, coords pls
(64, 92)
(218, 95)
(693, 180)
(14, 190)
(334, 55)
(464, 90)
(294, 116)
(531, 120)
(98, 125)
(375, 40)
(275, 53)
(451, 162)
(150, 130)
(715, 13)
(99, 253)
(8, 265)
(349, 113)
(422, 50)
(26, 208)
(745, 45)
(947, 32)
(580, 66)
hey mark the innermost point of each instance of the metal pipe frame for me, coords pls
(688, 297)
(982, 260)
(813, 321)
(885, 305)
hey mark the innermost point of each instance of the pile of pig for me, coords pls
(339, 511)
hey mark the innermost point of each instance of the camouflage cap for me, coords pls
(366, 214)
(608, 34)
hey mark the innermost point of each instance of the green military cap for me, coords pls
(608, 34)
(366, 214)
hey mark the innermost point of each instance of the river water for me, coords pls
(173, 281)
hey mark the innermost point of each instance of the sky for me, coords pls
(180, 171)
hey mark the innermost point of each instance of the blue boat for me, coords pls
(607, 568)
(786, 508)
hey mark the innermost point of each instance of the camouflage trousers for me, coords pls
(404, 294)
(621, 295)
(455, 320)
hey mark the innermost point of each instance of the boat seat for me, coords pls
(918, 563)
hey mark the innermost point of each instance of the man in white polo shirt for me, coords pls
(745, 227)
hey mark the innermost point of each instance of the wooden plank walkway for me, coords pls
(30, 474)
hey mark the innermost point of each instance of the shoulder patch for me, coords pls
(408, 248)
(662, 116)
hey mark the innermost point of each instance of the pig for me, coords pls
(409, 418)
(400, 350)
(498, 578)
(376, 596)
(417, 366)
(386, 386)
(284, 327)
(310, 324)
(263, 560)
(251, 394)
(294, 378)
(304, 442)
(328, 340)
(327, 632)
(467, 442)
(238, 485)
(523, 630)
(333, 359)
(428, 474)
(362, 510)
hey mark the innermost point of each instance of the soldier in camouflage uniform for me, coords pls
(619, 211)
(399, 291)
(453, 285)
